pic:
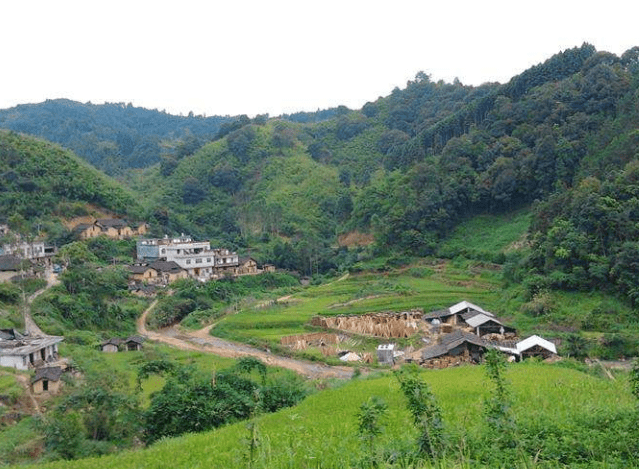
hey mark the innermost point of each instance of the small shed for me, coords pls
(386, 354)
(535, 346)
(111, 346)
(133, 343)
(484, 324)
(454, 315)
(47, 380)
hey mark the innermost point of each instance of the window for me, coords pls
(198, 261)
(188, 261)
(208, 259)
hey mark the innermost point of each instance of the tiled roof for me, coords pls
(166, 266)
(111, 222)
(52, 373)
(10, 262)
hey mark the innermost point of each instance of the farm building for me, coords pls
(457, 344)
(386, 354)
(24, 352)
(533, 346)
(484, 324)
(111, 346)
(454, 314)
(116, 344)
(47, 380)
(133, 343)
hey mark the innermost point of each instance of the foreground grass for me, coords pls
(322, 430)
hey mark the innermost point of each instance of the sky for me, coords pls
(283, 56)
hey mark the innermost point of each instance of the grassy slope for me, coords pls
(361, 293)
(322, 430)
(488, 234)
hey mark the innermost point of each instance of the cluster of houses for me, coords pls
(462, 334)
(161, 261)
(114, 228)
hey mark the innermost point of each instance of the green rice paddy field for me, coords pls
(322, 430)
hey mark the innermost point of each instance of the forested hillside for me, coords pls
(113, 137)
(404, 170)
(40, 183)
(409, 167)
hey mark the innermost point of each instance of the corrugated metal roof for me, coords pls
(462, 305)
(535, 340)
(480, 319)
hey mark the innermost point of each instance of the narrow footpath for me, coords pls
(203, 342)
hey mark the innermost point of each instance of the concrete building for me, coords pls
(23, 352)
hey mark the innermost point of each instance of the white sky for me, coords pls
(281, 56)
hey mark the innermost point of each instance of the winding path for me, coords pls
(203, 342)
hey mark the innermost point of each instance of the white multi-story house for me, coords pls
(196, 257)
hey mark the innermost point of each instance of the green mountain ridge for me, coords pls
(41, 183)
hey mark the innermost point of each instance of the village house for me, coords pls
(114, 228)
(454, 315)
(195, 257)
(36, 250)
(466, 315)
(157, 273)
(116, 344)
(459, 345)
(533, 346)
(10, 266)
(133, 343)
(111, 346)
(247, 266)
(23, 352)
(47, 379)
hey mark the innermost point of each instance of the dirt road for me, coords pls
(203, 342)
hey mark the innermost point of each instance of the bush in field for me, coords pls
(191, 402)
(370, 418)
(427, 415)
(497, 408)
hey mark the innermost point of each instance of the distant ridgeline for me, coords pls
(39, 179)
(406, 168)
(113, 136)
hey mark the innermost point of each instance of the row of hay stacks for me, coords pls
(387, 325)
(317, 339)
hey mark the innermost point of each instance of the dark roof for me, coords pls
(434, 352)
(82, 227)
(245, 259)
(111, 222)
(10, 334)
(139, 269)
(166, 266)
(450, 341)
(52, 373)
(112, 341)
(10, 262)
(458, 337)
(437, 314)
(136, 339)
